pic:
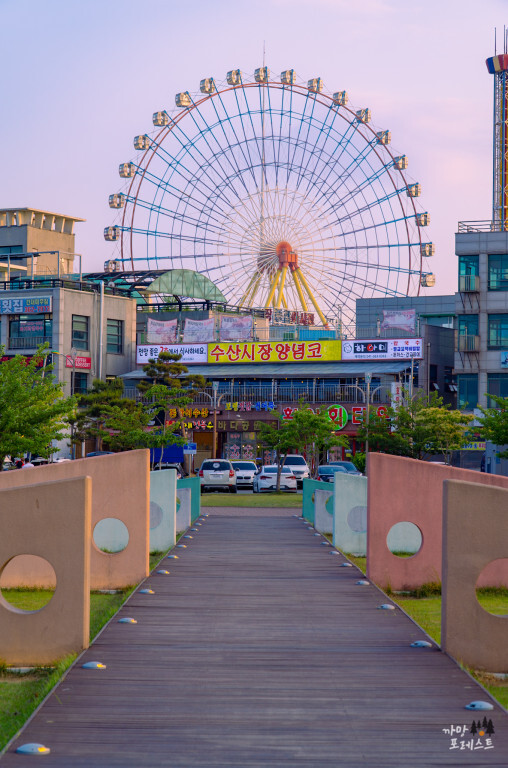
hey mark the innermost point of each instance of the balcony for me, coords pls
(28, 342)
(469, 343)
(469, 283)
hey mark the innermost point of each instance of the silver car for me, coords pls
(217, 473)
(245, 471)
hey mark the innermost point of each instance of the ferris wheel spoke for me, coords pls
(239, 143)
(324, 136)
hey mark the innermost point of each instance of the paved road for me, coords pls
(259, 649)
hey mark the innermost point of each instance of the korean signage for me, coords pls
(241, 425)
(191, 353)
(79, 363)
(339, 415)
(235, 328)
(161, 331)
(382, 349)
(275, 352)
(243, 405)
(27, 306)
(404, 320)
(289, 316)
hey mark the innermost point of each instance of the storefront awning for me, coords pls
(334, 370)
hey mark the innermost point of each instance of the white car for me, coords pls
(297, 465)
(217, 473)
(266, 479)
(245, 471)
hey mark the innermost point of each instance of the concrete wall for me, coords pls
(323, 508)
(120, 489)
(406, 490)
(474, 535)
(350, 513)
(50, 521)
(308, 488)
(195, 486)
(162, 510)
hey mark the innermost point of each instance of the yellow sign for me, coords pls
(276, 352)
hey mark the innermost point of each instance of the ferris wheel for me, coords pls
(280, 193)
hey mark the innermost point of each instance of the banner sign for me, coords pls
(382, 349)
(289, 316)
(161, 331)
(199, 331)
(28, 306)
(275, 352)
(404, 319)
(80, 363)
(191, 353)
(236, 328)
(478, 445)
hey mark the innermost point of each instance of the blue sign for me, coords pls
(190, 449)
(28, 306)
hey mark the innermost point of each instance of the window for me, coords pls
(30, 326)
(498, 273)
(498, 332)
(115, 337)
(497, 384)
(8, 250)
(79, 383)
(468, 391)
(469, 265)
(468, 325)
(80, 334)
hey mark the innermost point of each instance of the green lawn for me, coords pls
(252, 500)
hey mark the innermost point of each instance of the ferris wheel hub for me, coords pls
(286, 256)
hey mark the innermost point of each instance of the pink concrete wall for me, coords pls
(120, 489)
(406, 490)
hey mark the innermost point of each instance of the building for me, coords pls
(34, 242)
(481, 356)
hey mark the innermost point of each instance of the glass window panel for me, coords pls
(498, 331)
(115, 336)
(468, 325)
(469, 265)
(468, 391)
(80, 335)
(498, 272)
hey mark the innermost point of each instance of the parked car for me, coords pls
(99, 453)
(327, 472)
(297, 465)
(180, 471)
(266, 479)
(217, 473)
(245, 471)
(348, 466)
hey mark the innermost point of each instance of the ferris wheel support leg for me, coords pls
(254, 291)
(311, 297)
(281, 287)
(272, 288)
(254, 278)
(299, 291)
(284, 302)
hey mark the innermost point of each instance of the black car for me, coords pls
(327, 472)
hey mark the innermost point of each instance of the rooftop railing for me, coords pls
(481, 226)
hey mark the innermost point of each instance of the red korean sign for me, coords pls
(78, 363)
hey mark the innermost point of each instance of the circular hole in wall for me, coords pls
(27, 583)
(492, 587)
(357, 519)
(110, 535)
(404, 539)
(156, 515)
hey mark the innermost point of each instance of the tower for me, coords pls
(498, 66)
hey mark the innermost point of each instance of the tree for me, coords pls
(495, 423)
(100, 412)
(278, 440)
(33, 406)
(169, 386)
(446, 431)
(416, 427)
(312, 433)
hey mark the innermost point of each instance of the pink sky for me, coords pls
(80, 80)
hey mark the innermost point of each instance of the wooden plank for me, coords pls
(260, 650)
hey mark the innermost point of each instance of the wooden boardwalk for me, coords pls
(260, 650)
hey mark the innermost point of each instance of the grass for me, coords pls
(20, 694)
(282, 499)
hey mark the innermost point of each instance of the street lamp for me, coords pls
(215, 402)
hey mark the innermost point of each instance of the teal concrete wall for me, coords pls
(162, 510)
(195, 496)
(350, 513)
(309, 487)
